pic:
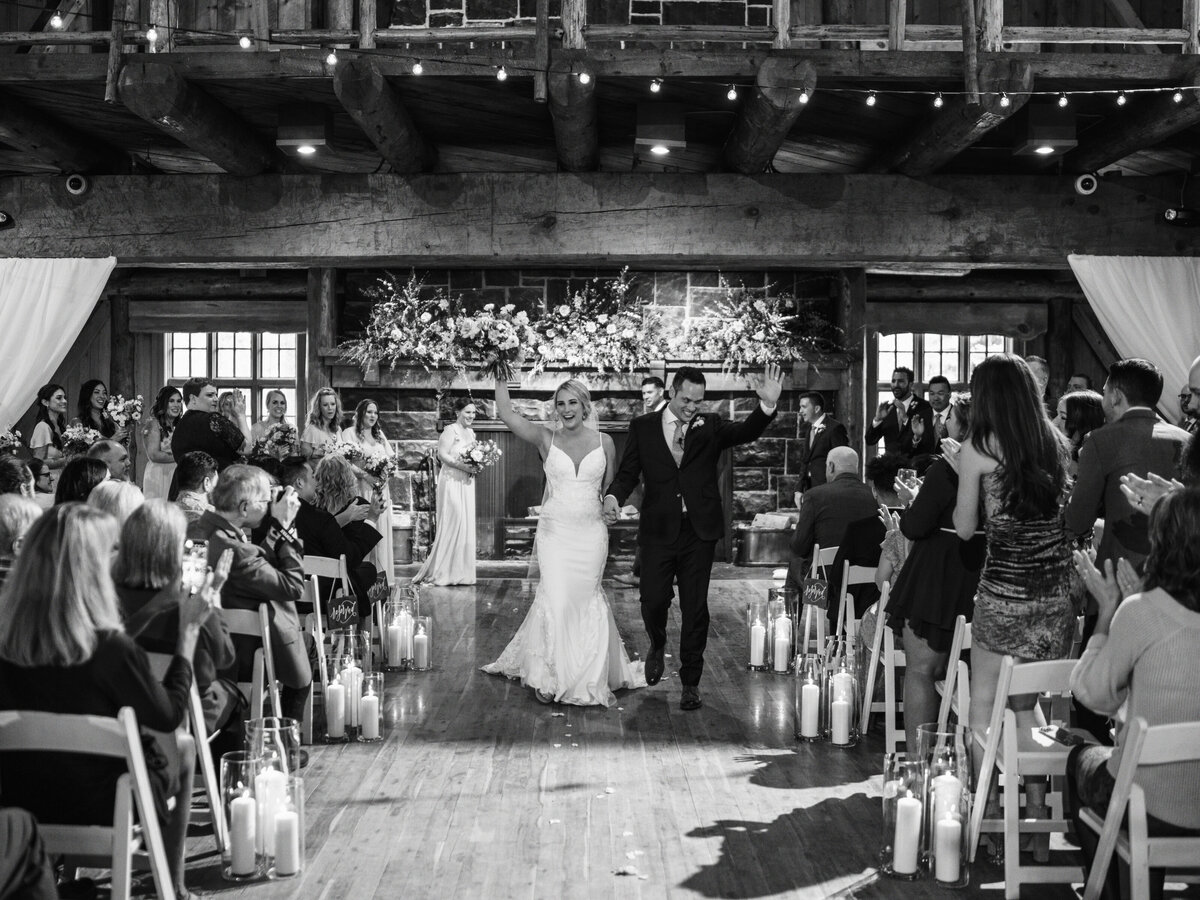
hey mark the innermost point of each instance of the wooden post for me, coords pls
(1060, 346)
(260, 19)
(122, 13)
(322, 326)
(340, 16)
(897, 19)
(1191, 22)
(541, 52)
(164, 16)
(805, 12)
(970, 52)
(851, 313)
(366, 24)
(781, 19)
(990, 38)
(838, 12)
(574, 23)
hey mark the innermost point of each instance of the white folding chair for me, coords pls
(114, 844)
(813, 621)
(956, 687)
(1143, 746)
(869, 704)
(1001, 750)
(847, 620)
(339, 570)
(254, 623)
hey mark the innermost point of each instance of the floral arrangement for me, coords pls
(123, 411)
(77, 438)
(495, 340)
(280, 438)
(481, 454)
(380, 465)
(344, 449)
(10, 441)
(409, 324)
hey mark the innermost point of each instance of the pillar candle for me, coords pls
(839, 715)
(352, 682)
(908, 835)
(758, 636)
(947, 796)
(394, 644)
(370, 716)
(947, 849)
(406, 635)
(810, 709)
(241, 835)
(270, 786)
(335, 710)
(841, 686)
(783, 643)
(287, 843)
(421, 650)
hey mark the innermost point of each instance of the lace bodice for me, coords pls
(571, 494)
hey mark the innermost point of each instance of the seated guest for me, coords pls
(1142, 658)
(117, 498)
(113, 455)
(15, 477)
(149, 579)
(17, 514)
(195, 476)
(1079, 414)
(270, 572)
(78, 478)
(337, 490)
(63, 650)
(43, 482)
(324, 535)
(202, 427)
(26, 872)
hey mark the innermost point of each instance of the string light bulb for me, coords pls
(1177, 96)
(732, 92)
(56, 21)
(1121, 98)
(501, 73)
(938, 102)
(151, 34)
(584, 77)
(331, 58)
(871, 99)
(656, 85)
(417, 68)
(244, 42)
(1004, 100)
(1063, 101)
(803, 95)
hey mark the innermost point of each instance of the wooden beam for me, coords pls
(122, 12)
(340, 17)
(574, 24)
(947, 132)
(196, 284)
(164, 316)
(1060, 344)
(802, 221)
(376, 107)
(162, 96)
(164, 16)
(970, 289)
(367, 15)
(781, 21)
(1150, 122)
(781, 91)
(541, 52)
(970, 46)
(38, 134)
(573, 112)
(1125, 14)
(1016, 320)
(121, 350)
(850, 315)
(1093, 332)
(838, 12)
(322, 326)
(991, 25)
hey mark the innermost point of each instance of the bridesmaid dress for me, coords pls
(451, 560)
(382, 556)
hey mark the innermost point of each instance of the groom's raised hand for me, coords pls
(772, 385)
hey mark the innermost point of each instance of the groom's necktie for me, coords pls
(677, 442)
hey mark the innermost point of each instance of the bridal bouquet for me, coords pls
(380, 466)
(344, 449)
(123, 411)
(10, 441)
(77, 438)
(496, 339)
(480, 454)
(280, 438)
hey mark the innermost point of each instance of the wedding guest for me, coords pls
(1041, 375)
(16, 477)
(368, 434)
(117, 498)
(46, 442)
(225, 406)
(196, 476)
(324, 421)
(155, 437)
(148, 573)
(337, 490)
(1142, 659)
(653, 394)
(92, 411)
(43, 482)
(939, 399)
(451, 559)
(893, 422)
(203, 428)
(17, 514)
(78, 478)
(63, 650)
(819, 433)
(113, 455)
(1079, 414)
(1079, 382)
(276, 415)
(1188, 421)
(938, 580)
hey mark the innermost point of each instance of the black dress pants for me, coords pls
(688, 559)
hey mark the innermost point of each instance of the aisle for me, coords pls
(478, 791)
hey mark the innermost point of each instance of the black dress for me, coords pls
(940, 576)
(210, 432)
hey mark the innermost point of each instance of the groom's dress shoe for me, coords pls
(690, 698)
(654, 666)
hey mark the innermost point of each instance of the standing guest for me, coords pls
(1188, 421)
(78, 479)
(1142, 659)
(368, 434)
(1134, 442)
(819, 433)
(1080, 382)
(324, 424)
(196, 476)
(1012, 466)
(269, 573)
(117, 498)
(203, 428)
(46, 442)
(276, 415)
(451, 559)
(43, 482)
(939, 400)
(91, 411)
(893, 422)
(63, 650)
(1079, 414)
(113, 455)
(16, 477)
(225, 406)
(1041, 375)
(653, 394)
(17, 514)
(156, 443)
(938, 581)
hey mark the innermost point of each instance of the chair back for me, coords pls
(329, 567)
(956, 689)
(869, 705)
(256, 624)
(847, 619)
(822, 559)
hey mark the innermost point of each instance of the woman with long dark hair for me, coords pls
(451, 559)
(156, 442)
(1079, 414)
(46, 443)
(368, 434)
(91, 411)
(78, 478)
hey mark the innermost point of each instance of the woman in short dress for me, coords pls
(322, 428)
(46, 441)
(367, 433)
(156, 443)
(451, 559)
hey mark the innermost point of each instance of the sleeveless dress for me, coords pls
(1026, 602)
(156, 480)
(568, 644)
(381, 556)
(451, 559)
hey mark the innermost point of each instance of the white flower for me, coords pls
(698, 422)
(602, 318)
(590, 327)
(488, 307)
(611, 329)
(564, 310)
(758, 336)
(627, 333)
(426, 317)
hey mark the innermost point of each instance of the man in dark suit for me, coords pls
(893, 421)
(819, 434)
(271, 572)
(675, 453)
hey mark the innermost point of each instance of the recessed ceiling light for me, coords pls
(660, 150)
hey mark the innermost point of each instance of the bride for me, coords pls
(568, 648)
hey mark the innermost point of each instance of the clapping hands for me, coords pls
(950, 451)
(1110, 586)
(1143, 493)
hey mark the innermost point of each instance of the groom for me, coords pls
(674, 452)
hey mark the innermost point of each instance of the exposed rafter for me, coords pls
(373, 103)
(32, 131)
(781, 91)
(573, 110)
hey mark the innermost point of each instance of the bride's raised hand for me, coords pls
(772, 384)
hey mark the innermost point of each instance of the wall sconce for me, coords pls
(1049, 131)
(302, 129)
(660, 128)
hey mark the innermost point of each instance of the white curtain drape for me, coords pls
(1149, 307)
(44, 304)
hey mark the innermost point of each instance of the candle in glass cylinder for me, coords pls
(758, 637)
(370, 716)
(783, 643)
(947, 836)
(907, 839)
(287, 843)
(810, 703)
(841, 686)
(242, 813)
(406, 634)
(335, 710)
(839, 721)
(947, 796)
(270, 786)
(352, 681)
(394, 644)
(421, 649)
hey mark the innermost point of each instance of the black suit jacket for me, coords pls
(322, 536)
(694, 481)
(831, 434)
(900, 440)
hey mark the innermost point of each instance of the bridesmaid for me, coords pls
(46, 442)
(225, 407)
(322, 425)
(451, 560)
(367, 433)
(156, 443)
(276, 415)
(90, 411)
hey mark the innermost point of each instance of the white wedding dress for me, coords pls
(568, 644)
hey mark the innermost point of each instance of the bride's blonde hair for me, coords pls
(579, 391)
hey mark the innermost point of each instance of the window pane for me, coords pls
(940, 357)
(187, 354)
